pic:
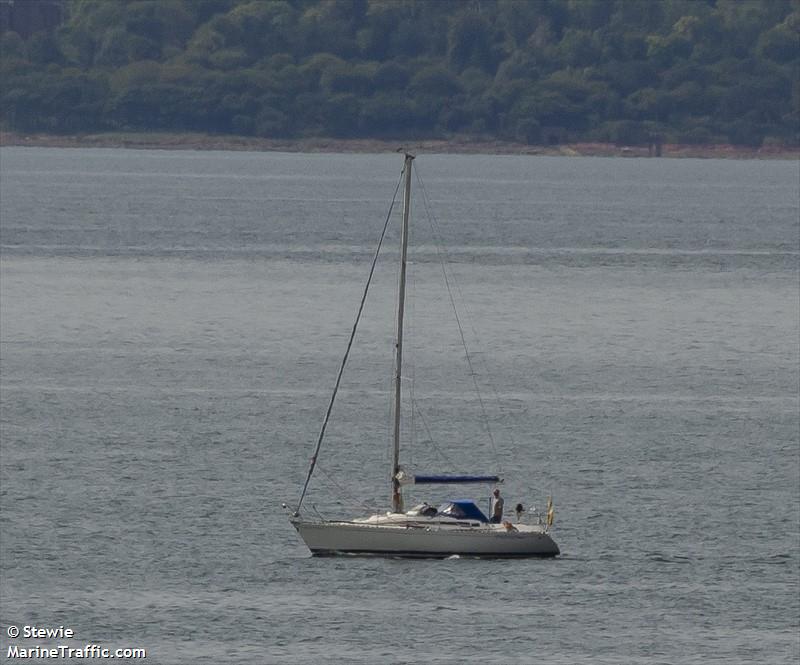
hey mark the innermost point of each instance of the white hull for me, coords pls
(416, 538)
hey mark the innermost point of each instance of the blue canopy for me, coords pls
(462, 509)
(443, 480)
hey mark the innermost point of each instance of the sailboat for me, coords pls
(456, 527)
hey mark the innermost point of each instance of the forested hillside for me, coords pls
(538, 71)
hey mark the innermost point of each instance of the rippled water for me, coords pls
(171, 327)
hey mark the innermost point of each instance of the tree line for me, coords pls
(535, 71)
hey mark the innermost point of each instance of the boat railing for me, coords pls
(527, 516)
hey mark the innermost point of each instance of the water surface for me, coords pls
(172, 323)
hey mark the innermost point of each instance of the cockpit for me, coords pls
(460, 509)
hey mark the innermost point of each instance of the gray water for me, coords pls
(172, 323)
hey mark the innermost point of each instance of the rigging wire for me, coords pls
(355, 501)
(349, 346)
(447, 461)
(439, 251)
(417, 413)
(411, 340)
(469, 318)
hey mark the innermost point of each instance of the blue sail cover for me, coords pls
(444, 480)
(462, 509)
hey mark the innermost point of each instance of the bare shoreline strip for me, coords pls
(166, 141)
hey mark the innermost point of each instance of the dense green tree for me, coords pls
(533, 71)
(470, 42)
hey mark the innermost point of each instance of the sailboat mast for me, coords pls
(397, 499)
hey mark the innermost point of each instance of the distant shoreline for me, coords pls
(188, 141)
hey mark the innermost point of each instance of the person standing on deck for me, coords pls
(497, 507)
